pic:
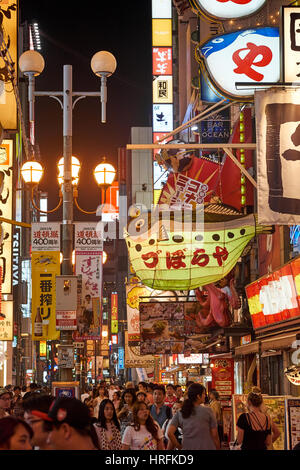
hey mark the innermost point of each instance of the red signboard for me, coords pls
(162, 60)
(275, 297)
(223, 377)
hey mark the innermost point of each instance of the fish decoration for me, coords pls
(183, 250)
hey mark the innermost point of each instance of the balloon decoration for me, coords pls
(180, 250)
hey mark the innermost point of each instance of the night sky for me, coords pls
(71, 32)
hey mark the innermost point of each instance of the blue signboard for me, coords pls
(217, 128)
(121, 358)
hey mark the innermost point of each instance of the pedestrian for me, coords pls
(32, 388)
(144, 433)
(198, 423)
(85, 394)
(108, 427)
(159, 411)
(70, 426)
(16, 403)
(141, 396)
(170, 397)
(179, 393)
(125, 415)
(216, 407)
(178, 433)
(15, 434)
(254, 428)
(143, 387)
(5, 402)
(36, 408)
(98, 396)
(129, 385)
(274, 428)
(116, 399)
(112, 389)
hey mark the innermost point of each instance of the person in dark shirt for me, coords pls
(254, 428)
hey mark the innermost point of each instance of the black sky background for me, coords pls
(71, 32)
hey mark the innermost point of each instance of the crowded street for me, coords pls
(150, 230)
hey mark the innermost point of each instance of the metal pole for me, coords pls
(67, 193)
(103, 93)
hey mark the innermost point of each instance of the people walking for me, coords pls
(216, 407)
(125, 414)
(170, 397)
(144, 433)
(5, 402)
(70, 426)
(108, 427)
(16, 403)
(15, 434)
(254, 428)
(198, 423)
(36, 409)
(159, 411)
(98, 396)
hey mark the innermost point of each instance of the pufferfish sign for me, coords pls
(244, 56)
(228, 9)
(182, 250)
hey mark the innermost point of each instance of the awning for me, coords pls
(283, 341)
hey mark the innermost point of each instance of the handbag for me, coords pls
(234, 445)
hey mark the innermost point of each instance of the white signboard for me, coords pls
(251, 55)
(291, 44)
(278, 156)
(161, 8)
(227, 9)
(45, 236)
(66, 320)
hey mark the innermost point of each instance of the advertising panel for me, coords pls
(162, 327)
(163, 89)
(9, 26)
(65, 389)
(134, 292)
(277, 119)
(217, 128)
(290, 43)
(114, 313)
(292, 407)
(275, 297)
(45, 268)
(133, 358)
(162, 61)
(222, 371)
(224, 9)
(6, 321)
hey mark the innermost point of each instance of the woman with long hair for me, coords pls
(15, 434)
(116, 399)
(144, 433)
(198, 423)
(108, 427)
(254, 428)
(125, 413)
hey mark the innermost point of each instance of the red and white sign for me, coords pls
(226, 9)
(162, 60)
(223, 377)
(45, 236)
(66, 320)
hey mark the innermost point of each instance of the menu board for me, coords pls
(162, 328)
(223, 377)
(293, 422)
(272, 405)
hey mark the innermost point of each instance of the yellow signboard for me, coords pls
(43, 348)
(161, 32)
(45, 266)
(8, 104)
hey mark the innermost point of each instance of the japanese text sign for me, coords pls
(45, 236)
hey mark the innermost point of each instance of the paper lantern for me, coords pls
(182, 250)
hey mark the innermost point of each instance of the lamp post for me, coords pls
(103, 64)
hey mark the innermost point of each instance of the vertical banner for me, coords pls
(278, 157)
(134, 291)
(223, 378)
(6, 204)
(114, 313)
(45, 262)
(9, 29)
(88, 255)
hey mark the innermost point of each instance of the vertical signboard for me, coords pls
(114, 313)
(88, 255)
(290, 43)
(6, 201)
(162, 79)
(45, 262)
(223, 377)
(9, 27)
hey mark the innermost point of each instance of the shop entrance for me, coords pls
(272, 375)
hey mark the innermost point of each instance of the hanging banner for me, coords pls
(134, 291)
(9, 29)
(6, 321)
(45, 268)
(278, 157)
(6, 211)
(45, 236)
(114, 313)
(88, 256)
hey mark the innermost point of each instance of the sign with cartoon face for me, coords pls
(278, 154)
(250, 55)
(229, 9)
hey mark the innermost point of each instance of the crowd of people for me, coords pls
(142, 417)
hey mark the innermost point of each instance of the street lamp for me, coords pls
(103, 64)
